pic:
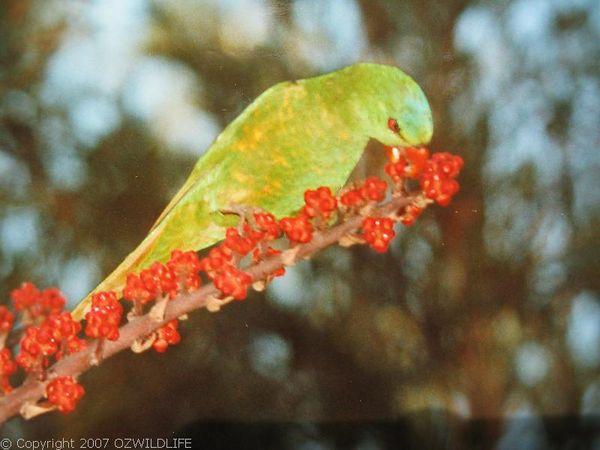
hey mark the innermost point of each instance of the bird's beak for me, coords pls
(393, 153)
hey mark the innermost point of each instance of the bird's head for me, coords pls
(398, 113)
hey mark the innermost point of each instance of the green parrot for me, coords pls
(297, 135)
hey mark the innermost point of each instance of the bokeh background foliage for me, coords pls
(486, 309)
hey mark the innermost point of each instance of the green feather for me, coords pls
(297, 135)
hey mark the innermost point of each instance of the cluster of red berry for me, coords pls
(64, 392)
(104, 317)
(7, 367)
(36, 305)
(7, 319)
(55, 337)
(166, 335)
(51, 333)
(436, 176)
(373, 189)
(179, 274)
(222, 262)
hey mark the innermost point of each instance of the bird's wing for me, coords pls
(225, 143)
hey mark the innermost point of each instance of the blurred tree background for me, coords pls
(487, 309)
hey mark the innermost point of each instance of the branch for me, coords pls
(32, 390)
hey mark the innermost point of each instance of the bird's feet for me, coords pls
(245, 212)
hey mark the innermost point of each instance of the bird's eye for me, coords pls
(393, 125)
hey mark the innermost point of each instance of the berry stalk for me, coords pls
(53, 355)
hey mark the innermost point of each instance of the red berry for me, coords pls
(447, 163)
(437, 180)
(156, 279)
(409, 163)
(217, 258)
(185, 266)
(102, 321)
(39, 341)
(164, 279)
(136, 290)
(37, 303)
(31, 355)
(395, 170)
(378, 232)
(438, 187)
(7, 368)
(374, 188)
(51, 302)
(236, 243)
(57, 335)
(64, 392)
(7, 319)
(267, 223)
(297, 229)
(166, 335)
(25, 296)
(411, 212)
(255, 235)
(319, 202)
(7, 365)
(233, 282)
(417, 158)
(352, 198)
(61, 325)
(63, 330)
